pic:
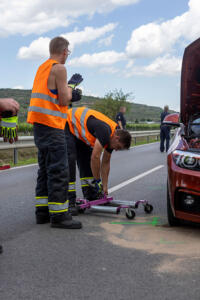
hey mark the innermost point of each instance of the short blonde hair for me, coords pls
(57, 45)
(166, 108)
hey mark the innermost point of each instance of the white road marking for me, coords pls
(121, 185)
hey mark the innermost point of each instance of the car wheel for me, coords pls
(173, 221)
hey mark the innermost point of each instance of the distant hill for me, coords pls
(138, 112)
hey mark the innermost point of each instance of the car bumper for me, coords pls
(184, 190)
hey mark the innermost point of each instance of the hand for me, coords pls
(75, 80)
(76, 95)
(8, 129)
(9, 104)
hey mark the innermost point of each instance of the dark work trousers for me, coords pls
(79, 153)
(72, 158)
(164, 135)
(53, 173)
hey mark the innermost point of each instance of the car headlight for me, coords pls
(187, 160)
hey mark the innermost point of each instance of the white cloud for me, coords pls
(18, 87)
(90, 93)
(106, 41)
(97, 59)
(110, 70)
(149, 40)
(166, 65)
(130, 63)
(154, 39)
(39, 48)
(38, 16)
(88, 34)
(124, 2)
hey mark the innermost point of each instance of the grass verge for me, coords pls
(143, 141)
(24, 162)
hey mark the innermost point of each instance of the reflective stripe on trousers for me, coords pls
(72, 187)
(55, 207)
(85, 181)
(41, 201)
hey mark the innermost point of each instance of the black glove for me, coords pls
(75, 80)
(76, 95)
(7, 114)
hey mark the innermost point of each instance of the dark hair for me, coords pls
(124, 137)
(57, 45)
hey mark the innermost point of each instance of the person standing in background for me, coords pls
(120, 118)
(164, 131)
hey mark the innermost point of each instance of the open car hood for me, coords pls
(190, 82)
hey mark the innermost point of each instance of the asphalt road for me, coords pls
(107, 259)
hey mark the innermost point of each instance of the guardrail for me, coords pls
(147, 134)
(28, 141)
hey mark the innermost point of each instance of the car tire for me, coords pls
(173, 221)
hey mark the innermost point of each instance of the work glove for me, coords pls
(97, 185)
(75, 80)
(8, 129)
(76, 95)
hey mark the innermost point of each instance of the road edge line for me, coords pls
(131, 180)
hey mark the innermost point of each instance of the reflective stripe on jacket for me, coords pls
(77, 120)
(44, 105)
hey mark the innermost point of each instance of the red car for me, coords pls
(183, 158)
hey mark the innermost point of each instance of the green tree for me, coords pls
(112, 102)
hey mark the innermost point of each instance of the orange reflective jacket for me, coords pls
(44, 106)
(77, 120)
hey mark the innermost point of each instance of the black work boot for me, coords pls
(73, 209)
(1, 249)
(64, 221)
(42, 215)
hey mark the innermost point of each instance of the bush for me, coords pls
(135, 127)
(25, 129)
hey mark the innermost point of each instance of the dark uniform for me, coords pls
(120, 117)
(164, 133)
(53, 173)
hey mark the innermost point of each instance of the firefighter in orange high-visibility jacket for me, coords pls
(90, 132)
(48, 112)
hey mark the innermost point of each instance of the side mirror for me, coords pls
(172, 120)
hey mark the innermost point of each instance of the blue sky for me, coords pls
(133, 45)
